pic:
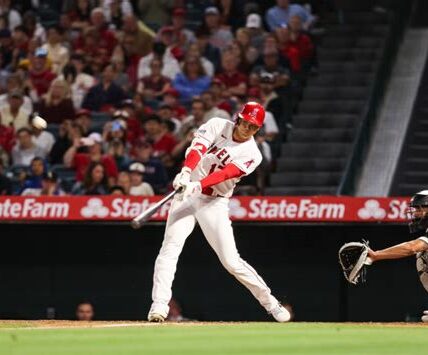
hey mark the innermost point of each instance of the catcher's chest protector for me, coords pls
(422, 267)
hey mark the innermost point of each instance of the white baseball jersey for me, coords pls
(216, 136)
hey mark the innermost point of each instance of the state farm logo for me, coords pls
(371, 209)
(235, 209)
(94, 208)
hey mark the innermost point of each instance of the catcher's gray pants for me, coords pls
(212, 214)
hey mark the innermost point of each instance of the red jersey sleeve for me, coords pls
(228, 172)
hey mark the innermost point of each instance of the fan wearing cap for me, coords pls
(80, 161)
(39, 74)
(221, 153)
(219, 36)
(171, 98)
(138, 186)
(50, 186)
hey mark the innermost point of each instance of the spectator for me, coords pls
(154, 86)
(114, 10)
(155, 173)
(49, 186)
(170, 66)
(211, 110)
(7, 141)
(94, 181)
(57, 52)
(5, 182)
(68, 133)
(80, 13)
(163, 142)
(85, 310)
(124, 181)
(219, 36)
(14, 83)
(42, 138)
(57, 106)
(235, 82)
(114, 136)
(206, 49)
(121, 78)
(117, 190)
(129, 54)
(166, 36)
(193, 51)
(13, 114)
(166, 113)
(138, 186)
(142, 40)
(37, 169)
(183, 36)
(107, 38)
(84, 119)
(280, 15)
(155, 13)
(249, 52)
(7, 48)
(296, 46)
(25, 150)
(129, 115)
(193, 81)
(13, 18)
(273, 103)
(106, 94)
(78, 79)
(254, 30)
(40, 77)
(80, 161)
(196, 119)
(171, 98)
(271, 65)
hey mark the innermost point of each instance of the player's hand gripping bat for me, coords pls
(144, 216)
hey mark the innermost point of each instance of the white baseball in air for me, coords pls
(39, 123)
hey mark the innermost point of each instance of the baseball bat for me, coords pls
(144, 216)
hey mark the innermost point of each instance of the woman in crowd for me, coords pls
(56, 106)
(193, 81)
(94, 182)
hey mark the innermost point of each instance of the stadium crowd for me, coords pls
(123, 85)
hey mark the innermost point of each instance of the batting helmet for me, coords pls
(418, 219)
(253, 112)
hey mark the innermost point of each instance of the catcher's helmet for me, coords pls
(418, 218)
(253, 112)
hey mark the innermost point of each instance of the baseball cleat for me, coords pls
(280, 313)
(156, 318)
(424, 318)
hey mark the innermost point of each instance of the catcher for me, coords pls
(355, 257)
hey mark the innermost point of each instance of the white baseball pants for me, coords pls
(212, 214)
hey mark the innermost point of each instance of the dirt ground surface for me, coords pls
(57, 324)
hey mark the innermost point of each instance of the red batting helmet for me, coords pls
(253, 112)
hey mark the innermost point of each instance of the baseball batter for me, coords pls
(418, 216)
(220, 154)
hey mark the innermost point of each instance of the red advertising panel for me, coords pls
(248, 208)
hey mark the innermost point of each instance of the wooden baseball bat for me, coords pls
(144, 216)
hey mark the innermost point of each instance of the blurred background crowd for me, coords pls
(123, 85)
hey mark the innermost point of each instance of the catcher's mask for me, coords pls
(417, 212)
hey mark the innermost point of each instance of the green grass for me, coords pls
(224, 339)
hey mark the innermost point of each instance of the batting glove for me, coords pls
(182, 178)
(191, 189)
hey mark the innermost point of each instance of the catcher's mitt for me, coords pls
(353, 258)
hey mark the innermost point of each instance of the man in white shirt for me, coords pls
(13, 114)
(25, 150)
(45, 140)
(138, 186)
(14, 82)
(170, 67)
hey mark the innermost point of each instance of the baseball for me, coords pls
(39, 122)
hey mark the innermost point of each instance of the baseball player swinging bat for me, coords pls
(144, 216)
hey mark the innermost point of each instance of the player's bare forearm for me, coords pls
(399, 251)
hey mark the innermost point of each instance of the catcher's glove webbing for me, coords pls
(353, 258)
